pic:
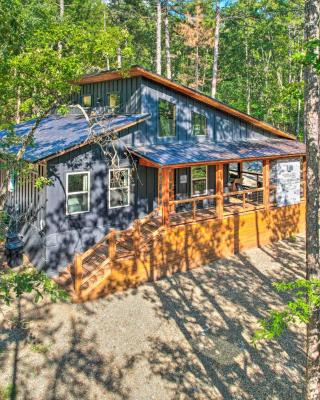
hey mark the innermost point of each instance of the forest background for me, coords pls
(250, 50)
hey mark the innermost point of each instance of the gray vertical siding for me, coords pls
(221, 126)
(67, 234)
(139, 94)
(129, 89)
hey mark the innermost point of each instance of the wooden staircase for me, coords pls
(91, 269)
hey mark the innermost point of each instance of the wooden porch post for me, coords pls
(219, 190)
(266, 184)
(240, 165)
(165, 195)
(77, 273)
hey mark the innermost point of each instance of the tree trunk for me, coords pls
(119, 58)
(61, 9)
(299, 108)
(248, 87)
(167, 42)
(311, 121)
(158, 39)
(197, 68)
(216, 51)
(61, 14)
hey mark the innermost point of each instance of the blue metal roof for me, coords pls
(58, 133)
(182, 153)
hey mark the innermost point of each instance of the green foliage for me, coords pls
(40, 348)
(304, 299)
(13, 284)
(43, 181)
(41, 53)
(6, 392)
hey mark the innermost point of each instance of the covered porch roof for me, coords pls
(180, 154)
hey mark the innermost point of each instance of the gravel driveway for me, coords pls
(187, 337)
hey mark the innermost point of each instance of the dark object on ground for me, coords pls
(13, 249)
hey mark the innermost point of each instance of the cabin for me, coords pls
(195, 180)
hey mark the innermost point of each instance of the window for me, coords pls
(113, 100)
(87, 100)
(167, 118)
(78, 184)
(119, 188)
(199, 180)
(199, 124)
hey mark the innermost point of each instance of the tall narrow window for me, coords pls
(167, 118)
(199, 180)
(113, 100)
(78, 196)
(87, 100)
(199, 124)
(119, 187)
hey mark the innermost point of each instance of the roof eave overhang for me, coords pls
(139, 71)
(145, 161)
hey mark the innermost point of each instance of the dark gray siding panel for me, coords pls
(147, 190)
(129, 89)
(151, 93)
(67, 234)
(139, 94)
(221, 126)
(257, 133)
(34, 245)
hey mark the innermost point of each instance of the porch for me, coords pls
(214, 206)
(199, 181)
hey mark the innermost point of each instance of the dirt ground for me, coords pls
(186, 337)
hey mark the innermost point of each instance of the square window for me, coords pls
(87, 100)
(199, 124)
(113, 100)
(167, 118)
(119, 188)
(77, 191)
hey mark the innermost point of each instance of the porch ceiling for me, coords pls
(177, 154)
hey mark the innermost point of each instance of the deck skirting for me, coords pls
(183, 247)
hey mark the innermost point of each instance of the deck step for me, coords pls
(97, 267)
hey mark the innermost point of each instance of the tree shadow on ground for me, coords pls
(74, 370)
(216, 310)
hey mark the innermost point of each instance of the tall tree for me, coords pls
(158, 38)
(216, 50)
(167, 41)
(194, 31)
(311, 121)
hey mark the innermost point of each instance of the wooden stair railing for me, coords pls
(95, 265)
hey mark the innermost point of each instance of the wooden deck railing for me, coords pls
(244, 198)
(193, 201)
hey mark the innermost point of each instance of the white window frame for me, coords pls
(199, 179)
(117, 188)
(81, 192)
